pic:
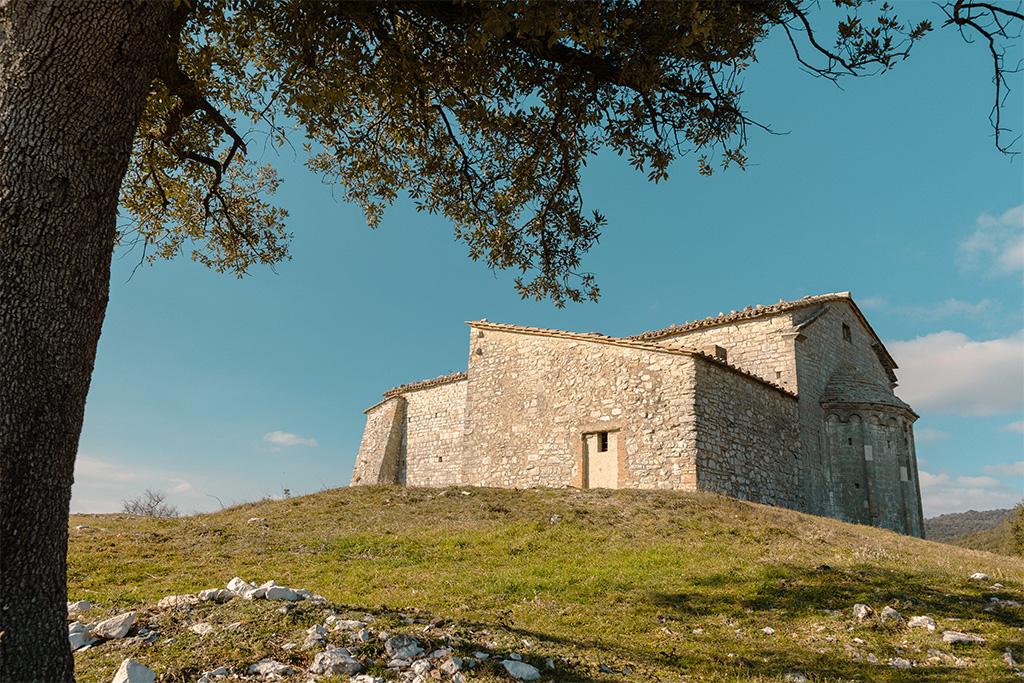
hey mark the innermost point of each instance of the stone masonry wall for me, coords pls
(380, 448)
(531, 398)
(432, 435)
(748, 441)
(759, 346)
(820, 353)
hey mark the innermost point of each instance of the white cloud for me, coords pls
(941, 493)
(952, 308)
(287, 439)
(929, 434)
(871, 302)
(102, 485)
(1017, 426)
(947, 372)
(1008, 468)
(997, 242)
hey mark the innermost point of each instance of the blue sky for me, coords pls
(219, 390)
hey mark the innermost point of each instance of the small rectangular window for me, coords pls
(846, 332)
(904, 475)
(602, 442)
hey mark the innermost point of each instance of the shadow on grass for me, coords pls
(802, 591)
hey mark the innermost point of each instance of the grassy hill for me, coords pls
(669, 586)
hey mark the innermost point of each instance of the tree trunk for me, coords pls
(73, 81)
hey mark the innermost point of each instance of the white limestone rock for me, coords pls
(979, 576)
(114, 627)
(177, 602)
(862, 612)
(202, 628)
(335, 661)
(315, 635)
(520, 670)
(259, 592)
(216, 595)
(240, 586)
(78, 635)
(403, 647)
(900, 663)
(891, 616)
(768, 630)
(219, 672)
(958, 637)
(133, 671)
(922, 622)
(366, 678)
(281, 593)
(79, 607)
(271, 667)
(795, 677)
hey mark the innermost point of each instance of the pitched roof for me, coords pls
(625, 343)
(759, 311)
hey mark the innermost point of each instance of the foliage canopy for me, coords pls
(485, 113)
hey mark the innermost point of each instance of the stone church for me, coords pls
(790, 404)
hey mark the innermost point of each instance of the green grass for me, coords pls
(586, 578)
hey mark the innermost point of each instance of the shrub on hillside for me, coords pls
(150, 504)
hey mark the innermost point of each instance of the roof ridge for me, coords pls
(627, 343)
(747, 313)
(426, 383)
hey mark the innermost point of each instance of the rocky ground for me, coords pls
(419, 586)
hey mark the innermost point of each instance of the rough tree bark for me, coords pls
(73, 81)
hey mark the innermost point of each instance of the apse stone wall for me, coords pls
(821, 353)
(748, 440)
(432, 435)
(531, 398)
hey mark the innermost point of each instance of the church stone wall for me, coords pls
(378, 461)
(759, 346)
(531, 398)
(432, 435)
(748, 442)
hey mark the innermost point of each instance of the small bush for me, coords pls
(150, 504)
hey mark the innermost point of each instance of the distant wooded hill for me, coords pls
(998, 531)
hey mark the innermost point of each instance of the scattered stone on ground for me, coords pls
(862, 612)
(891, 616)
(132, 671)
(281, 593)
(979, 576)
(202, 628)
(768, 630)
(900, 663)
(794, 677)
(177, 602)
(922, 622)
(335, 661)
(271, 667)
(520, 670)
(79, 607)
(114, 627)
(216, 595)
(402, 647)
(1008, 658)
(955, 637)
